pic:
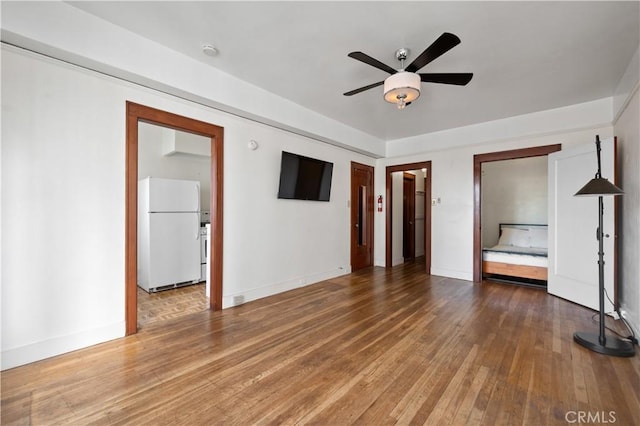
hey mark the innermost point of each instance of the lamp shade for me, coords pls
(402, 87)
(598, 186)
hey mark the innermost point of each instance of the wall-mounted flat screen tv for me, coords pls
(304, 178)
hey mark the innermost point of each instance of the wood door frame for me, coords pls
(478, 159)
(370, 212)
(136, 113)
(427, 210)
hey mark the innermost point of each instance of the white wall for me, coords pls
(627, 128)
(63, 181)
(567, 119)
(153, 143)
(513, 191)
(397, 180)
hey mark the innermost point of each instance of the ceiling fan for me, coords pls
(403, 86)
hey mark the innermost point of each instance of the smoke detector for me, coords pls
(209, 50)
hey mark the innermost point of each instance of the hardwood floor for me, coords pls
(374, 347)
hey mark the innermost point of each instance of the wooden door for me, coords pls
(361, 216)
(408, 216)
(573, 221)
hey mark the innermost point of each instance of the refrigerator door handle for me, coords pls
(197, 215)
(198, 198)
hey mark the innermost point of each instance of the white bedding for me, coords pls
(529, 256)
(524, 245)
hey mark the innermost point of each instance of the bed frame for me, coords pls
(515, 270)
(510, 270)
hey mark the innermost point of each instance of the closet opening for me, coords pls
(507, 185)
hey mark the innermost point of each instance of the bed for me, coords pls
(521, 253)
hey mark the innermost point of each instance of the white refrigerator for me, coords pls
(168, 233)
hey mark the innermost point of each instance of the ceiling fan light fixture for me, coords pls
(402, 88)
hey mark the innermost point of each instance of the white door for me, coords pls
(573, 221)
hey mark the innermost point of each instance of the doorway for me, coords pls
(426, 166)
(164, 156)
(139, 113)
(478, 160)
(408, 216)
(361, 216)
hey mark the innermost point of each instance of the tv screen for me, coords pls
(304, 178)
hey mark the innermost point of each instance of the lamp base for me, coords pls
(613, 346)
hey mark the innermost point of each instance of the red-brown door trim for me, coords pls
(136, 113)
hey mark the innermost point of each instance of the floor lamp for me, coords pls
(599, 187)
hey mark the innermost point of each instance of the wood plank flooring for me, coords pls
(376, 347)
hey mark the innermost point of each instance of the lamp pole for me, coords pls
(602, 339)
(599, 343)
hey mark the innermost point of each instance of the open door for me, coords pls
(361, 216)
(573, 223)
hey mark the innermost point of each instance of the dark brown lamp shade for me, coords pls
(599, 186)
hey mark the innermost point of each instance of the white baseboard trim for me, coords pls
(397, 261)
(460, 275)
(231, 300)
(59, 345)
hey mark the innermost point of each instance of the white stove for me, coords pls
(203, 253)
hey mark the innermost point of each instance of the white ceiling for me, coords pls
(525, 56)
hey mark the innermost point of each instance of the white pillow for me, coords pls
(515, 237)
(539, 237)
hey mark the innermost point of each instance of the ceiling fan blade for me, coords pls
(459, 78)
(443, 44)
(363, 57)
(362, 89)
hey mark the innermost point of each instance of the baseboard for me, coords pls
(449, 273)
(231, 300)
(397, 261)
(59, 345)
